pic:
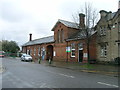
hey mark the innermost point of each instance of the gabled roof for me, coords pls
(40, 41)
(67, 23)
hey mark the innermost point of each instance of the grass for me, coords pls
(88, 66)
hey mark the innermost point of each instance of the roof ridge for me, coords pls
(67, 21)
(41, 38)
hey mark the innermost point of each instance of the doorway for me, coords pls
(80, 55)
(49, 52)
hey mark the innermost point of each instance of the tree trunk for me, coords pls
(88, 51)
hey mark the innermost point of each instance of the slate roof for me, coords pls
(80, 35)
(112, 15)
(40, 41)
(67, 23)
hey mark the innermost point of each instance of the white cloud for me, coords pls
(18, 18)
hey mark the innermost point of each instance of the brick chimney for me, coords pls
(30, 39)
(82, 20)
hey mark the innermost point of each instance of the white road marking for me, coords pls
(67, 75)
(61, 74)
(43, 85)
(107, 84)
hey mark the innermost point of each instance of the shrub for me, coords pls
(117, 60)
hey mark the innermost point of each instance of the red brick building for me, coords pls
(67, 44)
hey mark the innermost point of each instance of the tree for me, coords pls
(91, 17)
(10, 46)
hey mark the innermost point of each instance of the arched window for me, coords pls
(58, 37)
(62, 35)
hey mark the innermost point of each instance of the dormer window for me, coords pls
(102, 30)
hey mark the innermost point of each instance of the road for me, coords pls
(20, 74)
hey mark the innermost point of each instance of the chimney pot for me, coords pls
(30, 39)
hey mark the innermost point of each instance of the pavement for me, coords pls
(1, 69)
(112, 70)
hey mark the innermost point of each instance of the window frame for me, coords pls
(39, 51)
(62, 35)
(102, 30)
(103, 51)
(73, 49)
(34, 51)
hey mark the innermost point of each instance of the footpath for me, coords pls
(112, 70)
(1, 69)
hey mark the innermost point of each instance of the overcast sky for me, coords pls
(18, 18)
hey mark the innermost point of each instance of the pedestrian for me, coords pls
(49, 60)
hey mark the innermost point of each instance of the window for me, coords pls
(73, 50)
(80, 46)
(43, 51)
(102, 30)
(119, 26)
(31, 52)
(27, 51)
(62, 36)
(34, 51)
(104, 51)
(58, 36)
(39, 51)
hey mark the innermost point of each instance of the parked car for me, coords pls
(26, 57)
(2, 54)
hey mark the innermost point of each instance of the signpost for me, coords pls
(68, 49)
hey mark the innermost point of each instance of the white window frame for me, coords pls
(31, 52)
(72, 49)
(102, 30)
(103, 50)
(39, 50)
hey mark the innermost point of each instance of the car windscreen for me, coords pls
(27, 56)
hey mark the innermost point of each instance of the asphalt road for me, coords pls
(19, 74)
